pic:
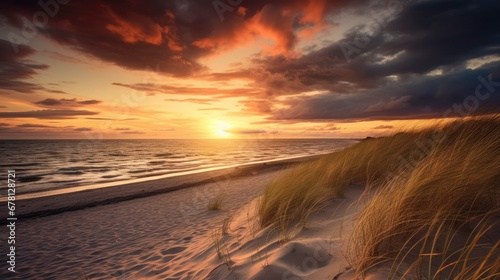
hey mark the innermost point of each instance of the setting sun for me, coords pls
(221, 129)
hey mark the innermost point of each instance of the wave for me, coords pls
(110, 176)
(20, 164)
(28, 179)
(144, 170)
(117, 155)
(157, 162)
(163, 155)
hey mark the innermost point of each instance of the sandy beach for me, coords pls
(162, 236)
(146, 237)
(212, 225)
(62, 200)
(250, 140)
(318, 217)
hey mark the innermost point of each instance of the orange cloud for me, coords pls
(275, 21)
(140, 29)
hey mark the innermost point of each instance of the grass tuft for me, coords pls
(439, 221)
(215, 203)
(435, 209)
(300, 190)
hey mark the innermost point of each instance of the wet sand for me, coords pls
(54, 202)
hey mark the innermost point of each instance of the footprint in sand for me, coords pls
(173, 250)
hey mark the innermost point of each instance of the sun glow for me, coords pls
(221, 128)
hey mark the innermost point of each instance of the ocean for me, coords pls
(54, 164)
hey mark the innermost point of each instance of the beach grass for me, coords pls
(295, 194)
(214, 203)
(435, 199)
(440, 221)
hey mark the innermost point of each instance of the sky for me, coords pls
(93, 69)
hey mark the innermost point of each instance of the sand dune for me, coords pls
(313, 252)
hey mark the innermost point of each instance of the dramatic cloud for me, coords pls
(132, 34)
(454, 94)
(281, 21)
(245, 131)
(83, 129)
(32, 125)
(388, 73)
(15, 68)
(132, 132)
(408, 60)
(51, 102)
(47, 114)
(171, 36)
(152, 89)
(46, 131)
(110, 119)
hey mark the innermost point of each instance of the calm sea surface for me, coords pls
(54, 164)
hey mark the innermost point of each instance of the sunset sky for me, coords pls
(243, 68)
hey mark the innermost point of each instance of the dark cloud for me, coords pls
(424, 36)
(132, 132)
(110, 119)
(386, 74)
(56, 91)
(171, 36)
(152, 89)
(42, 131)
(16, 68)
(83, 129)
(135, 35)
(32, 125)
(51, 102)
(378, 70)
(466, 92)
(245, 131)
(101, 119)
(47, 114)
(432, 34)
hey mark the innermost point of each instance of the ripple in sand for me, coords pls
(173, 250)
(167, 258)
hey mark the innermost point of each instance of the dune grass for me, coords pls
(294, 195)
(214, 203)
(440, 221)
(435, 186)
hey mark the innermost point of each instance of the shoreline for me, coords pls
(53, 202)
(58, 191)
